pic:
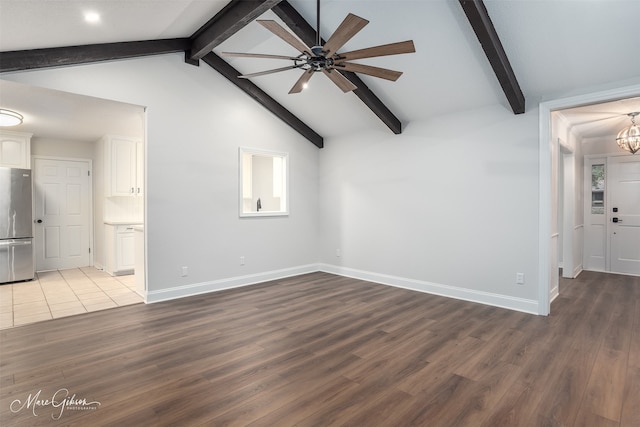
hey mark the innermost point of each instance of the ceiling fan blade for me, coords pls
(304, 78)
(263, 73)
(341, 81)
(383, 73)
(382, 50)
(347, 29)
(285, 35)
(257, 55)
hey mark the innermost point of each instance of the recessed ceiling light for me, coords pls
(92, 17)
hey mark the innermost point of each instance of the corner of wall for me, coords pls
(487, 298)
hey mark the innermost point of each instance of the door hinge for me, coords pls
(89, 250)
(88, 173)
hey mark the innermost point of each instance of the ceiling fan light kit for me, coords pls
(629, 138)
(10, 118)
(325, 58)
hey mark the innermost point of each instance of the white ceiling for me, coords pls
(556, 48)
(67, 116)
(601, 120)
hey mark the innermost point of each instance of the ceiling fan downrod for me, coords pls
(318, 39)
(317, 61)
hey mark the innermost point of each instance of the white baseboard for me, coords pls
(496, 300)
(222, 284)
(577, 271)
(553, 294)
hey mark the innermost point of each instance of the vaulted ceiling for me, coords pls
(555, 48)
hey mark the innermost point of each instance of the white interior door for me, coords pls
(624, 214)
(62, 215)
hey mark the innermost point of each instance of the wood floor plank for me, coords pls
(412, 335)
(473, 405)
(634, 344)
(321, 350)
(441, 370)
(382, 411)
(586, 418)
(517, 407)
(432, 401)
(565, 392)
(605, 390)
(306, 402)
(489, 355)
(631, 400)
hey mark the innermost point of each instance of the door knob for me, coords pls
(39, 221)
(616, 220)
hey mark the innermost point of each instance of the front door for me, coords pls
(61, 212)
(624, 214)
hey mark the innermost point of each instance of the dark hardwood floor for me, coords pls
(321, 350)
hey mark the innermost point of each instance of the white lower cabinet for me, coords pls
(119, 249)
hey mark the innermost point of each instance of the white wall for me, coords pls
(51, 147)
(196, 120)
(600, 145)
(449, 206)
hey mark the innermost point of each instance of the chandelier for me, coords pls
(629, 138)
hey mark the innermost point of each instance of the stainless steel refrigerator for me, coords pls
(16, 231)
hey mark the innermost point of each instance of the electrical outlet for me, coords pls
(520, 278)
(242, 260)
(185, 272)
(338, 253)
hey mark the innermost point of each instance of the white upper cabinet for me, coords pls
(15, 149)
(124, 174)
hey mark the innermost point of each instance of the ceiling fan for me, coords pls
(325, 58)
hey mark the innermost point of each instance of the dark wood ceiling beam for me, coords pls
(221, 66)
(20, 60)
(481, 23)
(231, 19)
(307, 34)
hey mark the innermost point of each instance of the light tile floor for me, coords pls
(61, 293)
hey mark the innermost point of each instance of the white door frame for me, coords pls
(567, 156)
(90, 163)
(544, 179)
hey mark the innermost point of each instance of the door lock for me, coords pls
(615, 219)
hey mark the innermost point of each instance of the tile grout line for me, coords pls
(65, 278)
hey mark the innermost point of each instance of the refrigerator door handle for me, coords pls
(14, 242)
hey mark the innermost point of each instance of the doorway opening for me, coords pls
(549, 153)
(111, 136)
